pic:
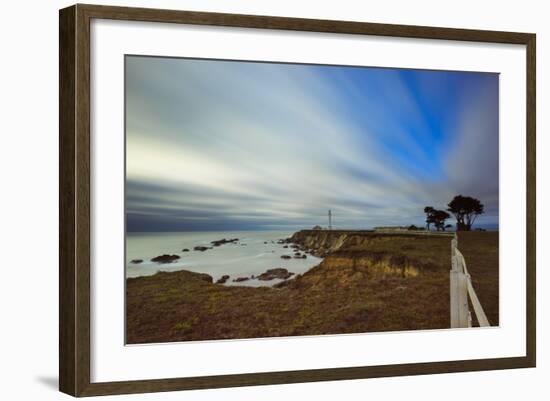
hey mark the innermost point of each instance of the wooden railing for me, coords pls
(461, 289)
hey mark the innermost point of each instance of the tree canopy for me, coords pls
(428, 210)
(465, 209)
(436, 217)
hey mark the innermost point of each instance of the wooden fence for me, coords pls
(461, 289)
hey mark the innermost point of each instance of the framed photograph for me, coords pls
(250, 200)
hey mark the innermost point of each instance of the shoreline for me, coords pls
(218, 254)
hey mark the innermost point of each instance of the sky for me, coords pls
(229, 145)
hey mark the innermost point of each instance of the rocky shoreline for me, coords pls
(295, 251)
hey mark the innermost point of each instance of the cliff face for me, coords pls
(323, 242)
(320, 242)
(401, 254)
(343, 268)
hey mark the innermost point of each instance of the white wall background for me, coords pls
(28, 204)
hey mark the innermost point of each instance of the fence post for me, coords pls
(454, 306)
(454, 285)
(460, 315)
(454, 246)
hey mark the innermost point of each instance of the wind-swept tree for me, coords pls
(428, 210)
(439, 217)
(465, 209)
(436, 217)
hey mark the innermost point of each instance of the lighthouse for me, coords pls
(329, 219)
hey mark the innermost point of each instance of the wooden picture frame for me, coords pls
(74, 203)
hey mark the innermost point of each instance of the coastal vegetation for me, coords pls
(367, 282)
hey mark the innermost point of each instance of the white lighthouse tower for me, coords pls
(329, 219)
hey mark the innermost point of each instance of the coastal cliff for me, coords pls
(370, 253)
(324, 242)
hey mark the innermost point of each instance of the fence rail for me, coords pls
(461, 289)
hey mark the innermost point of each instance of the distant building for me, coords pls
(317, 228)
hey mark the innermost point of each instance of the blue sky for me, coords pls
(226, 145)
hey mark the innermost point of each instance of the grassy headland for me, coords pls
(367, 282)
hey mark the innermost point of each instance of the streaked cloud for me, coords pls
(218, 145)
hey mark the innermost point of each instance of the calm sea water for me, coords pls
(250, 256)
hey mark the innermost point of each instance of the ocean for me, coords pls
(253, 254)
